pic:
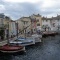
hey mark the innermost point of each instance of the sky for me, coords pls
(20, 8)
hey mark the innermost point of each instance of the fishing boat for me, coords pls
(49, 33)
(23, 41)
(37, 37)
(11, 48)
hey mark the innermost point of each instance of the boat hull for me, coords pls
(11, 49)
(37, 38)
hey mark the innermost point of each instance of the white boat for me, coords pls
(37, 37)
(23, 41)
(27, 41)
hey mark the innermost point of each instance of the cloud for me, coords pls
(2, 8)
(18, 8)
(21, 9)
(48, 3)
(22, 1)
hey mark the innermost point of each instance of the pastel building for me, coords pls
(24, 24)
(38, 20)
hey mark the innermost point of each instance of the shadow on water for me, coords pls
(4, 56)
(33, 46)
(9, 56)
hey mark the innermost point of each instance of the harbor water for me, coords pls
(48, 49)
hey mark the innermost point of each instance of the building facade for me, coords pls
(53, 23)
(37, 21)
(7, 27)
(24, 24)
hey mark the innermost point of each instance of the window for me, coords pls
(37, 20)
(43, 20)
(58, 19)
(25, 22)
(53, 24)
(46, 20)
(34, 29)
(38, 24)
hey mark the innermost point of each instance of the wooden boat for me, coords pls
(37, 37)
(45, 34)
(49, 33)
(11, 48)
(52, 34)
(23, 41)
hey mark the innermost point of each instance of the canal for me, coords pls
(49, 49)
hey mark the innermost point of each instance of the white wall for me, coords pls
(54, 28)
(44, 22)
(50, 24)
(13, 28)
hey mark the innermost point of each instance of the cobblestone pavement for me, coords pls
(49, 49)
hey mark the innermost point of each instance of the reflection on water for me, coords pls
(49, 49)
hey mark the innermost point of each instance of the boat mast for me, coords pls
(25, 33)
(17, 29)
(8, 34)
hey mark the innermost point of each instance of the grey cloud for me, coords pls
(17, 10)
(21, 9)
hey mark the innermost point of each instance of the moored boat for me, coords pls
(49, 33)
(23, 41)
(37, 37)
(11, 48)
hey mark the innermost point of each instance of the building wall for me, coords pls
(38, 19)
(23, 23)
(20, 24)
(53, 23)
(9, 25)
(46, 22)
(12, 28)
(1, 21)
(2, 18)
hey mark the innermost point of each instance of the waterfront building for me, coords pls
(53, 23)
(7, 27)
(38, 22)
(12, 28)
(2, 28)
(24, 24)
(46, 25)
